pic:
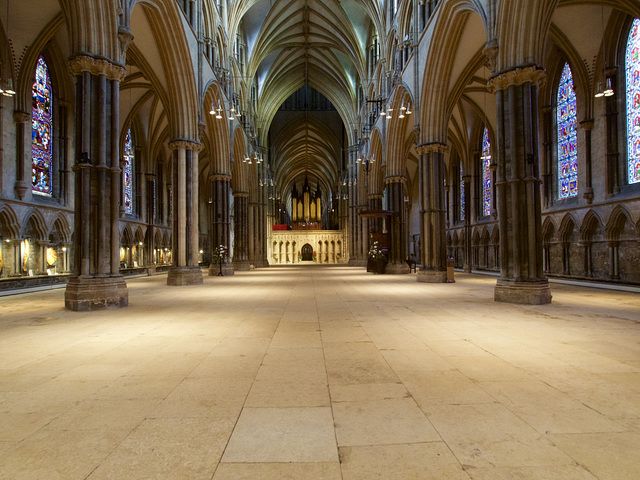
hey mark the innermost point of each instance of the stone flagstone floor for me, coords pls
(317, 372)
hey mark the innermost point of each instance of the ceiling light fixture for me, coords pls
(608, 88)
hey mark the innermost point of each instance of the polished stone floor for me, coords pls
(321, 373)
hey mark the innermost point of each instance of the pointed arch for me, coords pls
(548, 230)
(35, 224)
(9, 222)
(127, 236)
(617, 222)
(591, 223)
(61, 228)
(567, 227)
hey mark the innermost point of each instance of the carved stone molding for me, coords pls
(395, 179)
(96, 66)
(125, 37)
(220, 176)
(490, 51)
(587, 124)
(21, 117)
(425, 148)
(185, 144)
(517, 77)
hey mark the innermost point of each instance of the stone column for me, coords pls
(185, 269)
(433, 245)
(252, 233)
(220, 221)
(470, 211)
(398, 244)
(262, 229)
(21, 186)
(150, 246)
(375, 203)
(356, 257)
(96, 282)
(42, 257)
(518, 188)
(587, 126)
(546, 165)
(241, 234)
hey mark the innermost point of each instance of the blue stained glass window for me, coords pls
(486, 173)
(42, 131)
(567, 136)
(127, 173)
(462, 202)
(632, 65)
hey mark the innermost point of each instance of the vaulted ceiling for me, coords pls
(297, 43)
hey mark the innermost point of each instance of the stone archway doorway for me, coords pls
(307, 253)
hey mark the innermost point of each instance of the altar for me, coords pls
(288, 247)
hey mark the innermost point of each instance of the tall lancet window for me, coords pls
(127, 174)
(632, 65)
(42, 131)
(567, 136)
(462, 199)
(486, 173)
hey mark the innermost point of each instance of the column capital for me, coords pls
(125, 36)
(395, 179)
(241, 194)
(376, 196)
(490, 51)
(220, 176)
(587, 124)
(21, 117)
(435, 147)
(517, 76)
(96, 66)
(185, 144)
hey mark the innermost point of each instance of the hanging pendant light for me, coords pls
(6, 86)
(608, 88)
(608, 91)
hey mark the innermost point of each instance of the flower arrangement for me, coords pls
(375, 253)
(220, 254)
(314, 255)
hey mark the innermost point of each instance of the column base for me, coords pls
(527, 293)
(262, 263)
(181, 276)
(397, 268)
(357, 262)
(431, 276)
(242, 266)
(84, 294)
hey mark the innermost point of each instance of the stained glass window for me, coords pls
(486, 173)
(42, 131)
(567, 136)
(632, 64)
(462, 203)
(127, 173)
